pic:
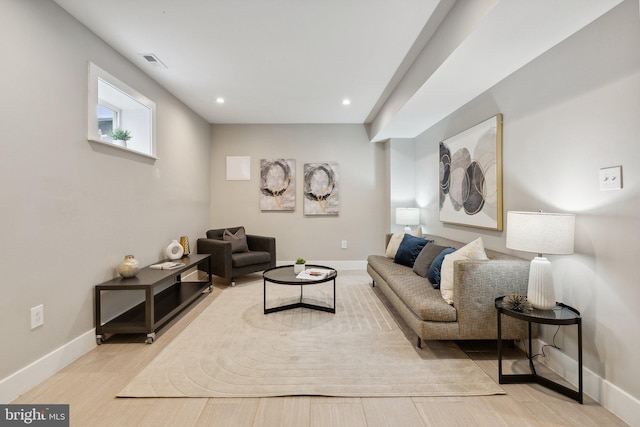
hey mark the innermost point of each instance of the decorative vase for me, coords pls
(129, 267)
(299, 268)
(174, 250)
(184, 242)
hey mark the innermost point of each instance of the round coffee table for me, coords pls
(284, 275)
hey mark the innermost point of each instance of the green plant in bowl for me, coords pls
(120, 135)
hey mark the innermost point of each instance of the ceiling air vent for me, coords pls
(152, 60)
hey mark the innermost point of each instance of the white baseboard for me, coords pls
(616, 400)
(33, 374)
(338, 265)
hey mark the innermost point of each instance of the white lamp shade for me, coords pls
(407, 216)
(541, 233)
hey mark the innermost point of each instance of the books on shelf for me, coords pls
(314, 274)
(169, 265)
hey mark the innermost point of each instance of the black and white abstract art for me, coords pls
(471, 176)
(277, 185)
(321, 189)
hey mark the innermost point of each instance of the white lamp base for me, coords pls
(541, 293)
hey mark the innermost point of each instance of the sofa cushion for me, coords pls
(420, 297)
(242, 259)
(473, 250)
(409, 249)
(425, 258)
(396, 239)
(434, 270)
(386, 268)
(238, 240)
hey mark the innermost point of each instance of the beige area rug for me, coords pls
(233, 350)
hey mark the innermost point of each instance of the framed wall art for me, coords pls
(470, 178)
(277, 184)
(321, 189)
(238, 168)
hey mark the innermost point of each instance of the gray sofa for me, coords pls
(476, 284)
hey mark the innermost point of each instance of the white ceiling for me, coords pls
(294, 61)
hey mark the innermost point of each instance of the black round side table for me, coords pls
(560, 315)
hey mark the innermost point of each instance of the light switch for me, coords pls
(611, 178)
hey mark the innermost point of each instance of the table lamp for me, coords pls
(407, 217)
(541, 233)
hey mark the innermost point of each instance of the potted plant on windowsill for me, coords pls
(299, 266)
(120, 137)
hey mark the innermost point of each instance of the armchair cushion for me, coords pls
(238, 240)
(243, 259)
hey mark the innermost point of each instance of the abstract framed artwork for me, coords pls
(470, 178)
(321, 189)
(277, 184)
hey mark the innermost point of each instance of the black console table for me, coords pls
(560, 315)
(157, 308)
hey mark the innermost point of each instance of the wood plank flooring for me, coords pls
(89, 385)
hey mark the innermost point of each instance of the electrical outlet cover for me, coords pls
(37, 316)
(610, 178)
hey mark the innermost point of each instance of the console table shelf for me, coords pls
(157, 308)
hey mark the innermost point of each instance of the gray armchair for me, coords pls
(235, 253)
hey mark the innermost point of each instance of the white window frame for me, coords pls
(95, 75)
(116, 117)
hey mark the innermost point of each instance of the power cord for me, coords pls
(542, 353)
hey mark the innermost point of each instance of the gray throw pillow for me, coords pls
(238, 240)
(425, 258)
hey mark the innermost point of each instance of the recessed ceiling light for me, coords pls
(220, 100)
(346, 101)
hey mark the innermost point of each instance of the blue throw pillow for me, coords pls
(409, 249)
(434, 271)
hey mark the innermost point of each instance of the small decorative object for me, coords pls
(120, 137)
(517, 302)
(174, 250)
(299, 266)
(129, 267)
(184, 242)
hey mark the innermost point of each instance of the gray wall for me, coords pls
(72, 210)
(363, 213)
(569, 113)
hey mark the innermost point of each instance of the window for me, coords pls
(113, 105)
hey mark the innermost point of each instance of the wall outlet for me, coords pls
(37, 316)
(344, 244)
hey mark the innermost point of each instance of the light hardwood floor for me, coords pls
(89, 385)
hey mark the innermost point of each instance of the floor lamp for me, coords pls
(541, 233)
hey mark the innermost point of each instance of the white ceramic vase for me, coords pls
(174, 250)
(298, 268)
